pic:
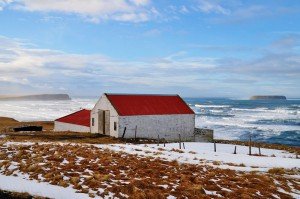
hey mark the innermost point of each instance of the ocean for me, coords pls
(271, 121)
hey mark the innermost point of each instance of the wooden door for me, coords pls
(101, 118)
(106, 122)
(103, 121)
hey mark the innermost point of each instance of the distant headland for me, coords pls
(268, 97)
(43, 97)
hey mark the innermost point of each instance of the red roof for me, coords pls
(81, 117)
(131, 104)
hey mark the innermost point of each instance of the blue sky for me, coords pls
(197, 48)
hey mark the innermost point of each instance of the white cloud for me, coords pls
(211, 6)
(4, 3)
(21, 64)
(92, 10)
(24, 65)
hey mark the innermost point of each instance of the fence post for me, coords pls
(124, 132)
(215, 146)
(183, 145)
(259, 150)
(234, 150)
(179, 141)
(250, 144)
(135, 133)
(157, 140)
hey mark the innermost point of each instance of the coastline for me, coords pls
(49, 135)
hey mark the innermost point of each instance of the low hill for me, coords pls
(268, 97)
(37, 97)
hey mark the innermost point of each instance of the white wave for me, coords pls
(211, 106)
(231, 127)
(216, 111)
(265, 114)
(42, 110)
(250, 109)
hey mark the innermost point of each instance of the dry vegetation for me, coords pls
(98, 171)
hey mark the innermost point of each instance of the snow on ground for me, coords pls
(21, 184)
(60, 157)
(223, 158)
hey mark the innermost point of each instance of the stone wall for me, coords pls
(166, 126)
(203, 135)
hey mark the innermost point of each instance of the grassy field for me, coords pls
(97, 171)
(70, 159)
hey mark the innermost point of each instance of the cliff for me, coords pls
(37, 97)
(268, 97)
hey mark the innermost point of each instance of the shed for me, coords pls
(77, 122)
(146, 115)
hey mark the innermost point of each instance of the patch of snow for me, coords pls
(18, 184)
(212, 193)
(2, 136)
(205, 151)
(165, 186)
(171, 197)
(124, 195)
(65, 161)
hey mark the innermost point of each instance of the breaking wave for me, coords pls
(268, 121)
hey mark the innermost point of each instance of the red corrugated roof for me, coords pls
(81, 117)
(130, 104)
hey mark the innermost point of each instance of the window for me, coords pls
(115, 126)
(93, 121)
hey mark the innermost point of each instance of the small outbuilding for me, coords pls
(143, 115)
(77, 122)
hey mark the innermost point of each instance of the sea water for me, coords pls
(273, 121)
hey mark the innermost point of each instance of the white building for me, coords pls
(77, 122)
(147, 116)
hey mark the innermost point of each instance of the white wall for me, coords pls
(61, 126)
(167, 126)
(104, 104)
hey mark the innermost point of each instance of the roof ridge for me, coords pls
(141, 94)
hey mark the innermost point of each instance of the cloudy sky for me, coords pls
(197, 48)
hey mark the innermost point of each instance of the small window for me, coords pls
(115, 126)
(93, 121)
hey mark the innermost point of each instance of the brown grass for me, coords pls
(135, 176)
